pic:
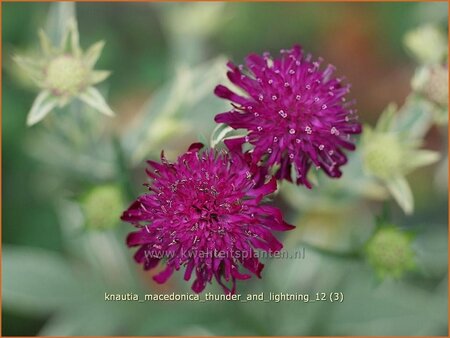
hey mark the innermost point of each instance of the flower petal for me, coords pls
(225, 93)
(198, 285)
(164, 275)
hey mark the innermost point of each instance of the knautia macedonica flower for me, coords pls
(204, 213)
(295, 113)
(64, 73)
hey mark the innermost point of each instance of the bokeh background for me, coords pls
(166, 59)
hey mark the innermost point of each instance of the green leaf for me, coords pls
(93, 98)
(36, 280)
(431, 249)
(42, 105)
(92, 318)
(401, 191)
(396, 307)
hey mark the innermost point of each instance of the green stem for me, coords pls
(123, 170)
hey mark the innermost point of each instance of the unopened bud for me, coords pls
(390, 252)
(102, 207)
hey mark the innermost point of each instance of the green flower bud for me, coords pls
(383, 155)
(427, 43)
(64, 73)
(391, 150)
(102, 207)
(390, 252)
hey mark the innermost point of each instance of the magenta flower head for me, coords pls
(295, 113)
(204, 212)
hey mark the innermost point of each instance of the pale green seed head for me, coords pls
(383, 155)
(65, 75)
(102, 207)
(390, 252)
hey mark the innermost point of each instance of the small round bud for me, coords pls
(390, 253)
(102, 207)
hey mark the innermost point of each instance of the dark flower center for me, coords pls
(205, 213)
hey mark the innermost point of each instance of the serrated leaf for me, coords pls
(93, 98)
(42, 105)
(401, 191)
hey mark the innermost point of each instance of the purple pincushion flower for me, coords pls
(204, 213)
(295, 113)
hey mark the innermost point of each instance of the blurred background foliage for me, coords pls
(65, 179)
